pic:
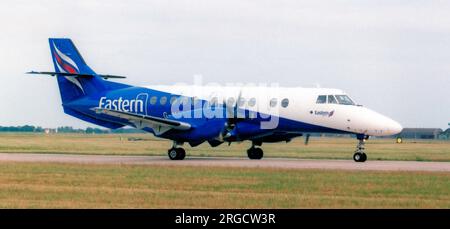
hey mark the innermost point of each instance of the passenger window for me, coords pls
(186, 100)
(163, 100)
(331, 99)
(214, 101)
(285, 102)
(153, 100)
(241, 102)
(198, 102)
(322, 99)
(172, 100)
(195, 100)
(230, 101)
(251, 102)
(273, 102)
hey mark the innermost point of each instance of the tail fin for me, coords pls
(67, 59)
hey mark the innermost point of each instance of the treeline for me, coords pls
(66, 129)
(25, 128)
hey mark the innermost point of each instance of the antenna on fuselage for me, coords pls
(307, 138)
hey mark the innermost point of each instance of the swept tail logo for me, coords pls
(66, 65)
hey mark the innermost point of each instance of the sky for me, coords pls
(392, 56)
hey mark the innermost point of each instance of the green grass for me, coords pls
(318, 148)
(46, 185)
(38, 185)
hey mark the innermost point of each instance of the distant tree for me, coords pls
(69, 129)
(27, 128)
(127, 131)
(89, 130)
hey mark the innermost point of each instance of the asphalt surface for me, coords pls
(231, 162)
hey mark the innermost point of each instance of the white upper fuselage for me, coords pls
(301, 106)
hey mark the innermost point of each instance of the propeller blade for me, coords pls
(229, 130)
(236, 106)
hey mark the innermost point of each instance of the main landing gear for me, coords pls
(359, 155)
(255, 153)
(176, 152)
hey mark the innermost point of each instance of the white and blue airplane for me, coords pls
(213, 114)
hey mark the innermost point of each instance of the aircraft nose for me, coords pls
(394, 127)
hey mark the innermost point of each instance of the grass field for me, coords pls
(36, 185)
(318, 148)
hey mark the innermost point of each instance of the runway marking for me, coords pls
(231, 162)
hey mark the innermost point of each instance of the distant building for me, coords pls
(50, 131)
(421, 133)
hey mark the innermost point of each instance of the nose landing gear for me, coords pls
(359, 155)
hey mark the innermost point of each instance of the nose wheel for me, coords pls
(359, 155)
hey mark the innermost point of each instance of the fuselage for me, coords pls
(264, 111)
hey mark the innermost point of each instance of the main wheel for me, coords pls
(359, 157)
(364, 157)
(176, 153)
(255, 153)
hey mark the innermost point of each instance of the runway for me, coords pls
(231, 162)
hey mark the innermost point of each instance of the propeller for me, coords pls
(232, 119)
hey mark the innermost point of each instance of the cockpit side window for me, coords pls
(344, 99)
(331, 99)
(322, 99)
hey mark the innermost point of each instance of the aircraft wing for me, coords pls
(159, 125)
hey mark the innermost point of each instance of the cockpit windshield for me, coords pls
(321, 99)
(331, 99)
(344, 99)
(335, 99)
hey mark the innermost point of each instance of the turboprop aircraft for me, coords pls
(215, 114)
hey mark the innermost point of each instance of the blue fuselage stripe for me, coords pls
(125, 99)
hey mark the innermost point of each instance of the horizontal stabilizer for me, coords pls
(76, 75)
